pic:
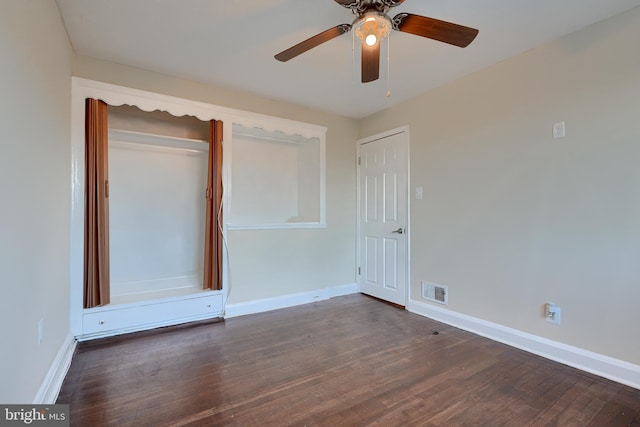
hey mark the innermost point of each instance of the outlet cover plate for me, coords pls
(552, 313)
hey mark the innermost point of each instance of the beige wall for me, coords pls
(34, 193)
(271, 263)
(511, 218)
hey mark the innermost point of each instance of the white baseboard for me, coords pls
(50, 388)
(595, 363)
(284, 301)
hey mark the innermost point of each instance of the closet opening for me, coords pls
(157, 180)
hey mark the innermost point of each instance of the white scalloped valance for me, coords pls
(277, 135)
(150, 101)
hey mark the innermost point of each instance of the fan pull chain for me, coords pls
(353, 56)
(388, 65)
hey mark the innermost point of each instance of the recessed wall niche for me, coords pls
(277, 179)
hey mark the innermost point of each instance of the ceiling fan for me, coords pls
(372, 25)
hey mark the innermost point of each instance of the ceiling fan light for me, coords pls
(372, 27)
(371, 40)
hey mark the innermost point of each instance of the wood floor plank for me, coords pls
(348, 361)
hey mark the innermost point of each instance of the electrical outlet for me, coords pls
(40, 331)
(552, 313)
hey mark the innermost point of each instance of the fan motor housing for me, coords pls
(358, 7)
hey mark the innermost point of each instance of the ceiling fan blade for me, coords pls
(443, 31)
(370, 62)
(312, 42)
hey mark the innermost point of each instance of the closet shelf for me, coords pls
(136, 137)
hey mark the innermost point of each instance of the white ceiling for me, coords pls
(232, 43)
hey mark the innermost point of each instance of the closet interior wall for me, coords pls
(157, 173)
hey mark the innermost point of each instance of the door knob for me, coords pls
(399, 231)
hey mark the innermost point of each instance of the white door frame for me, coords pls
(360, 143)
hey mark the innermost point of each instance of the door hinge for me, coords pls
(359, 272)
(358, 160)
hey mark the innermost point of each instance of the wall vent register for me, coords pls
(435, 293)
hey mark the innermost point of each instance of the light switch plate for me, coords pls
(558, 130)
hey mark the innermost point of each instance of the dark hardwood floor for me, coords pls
(349, 361)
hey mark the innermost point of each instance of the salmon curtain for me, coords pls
(96, 225)
(213, 230)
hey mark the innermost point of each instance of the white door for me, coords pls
(382, 210)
